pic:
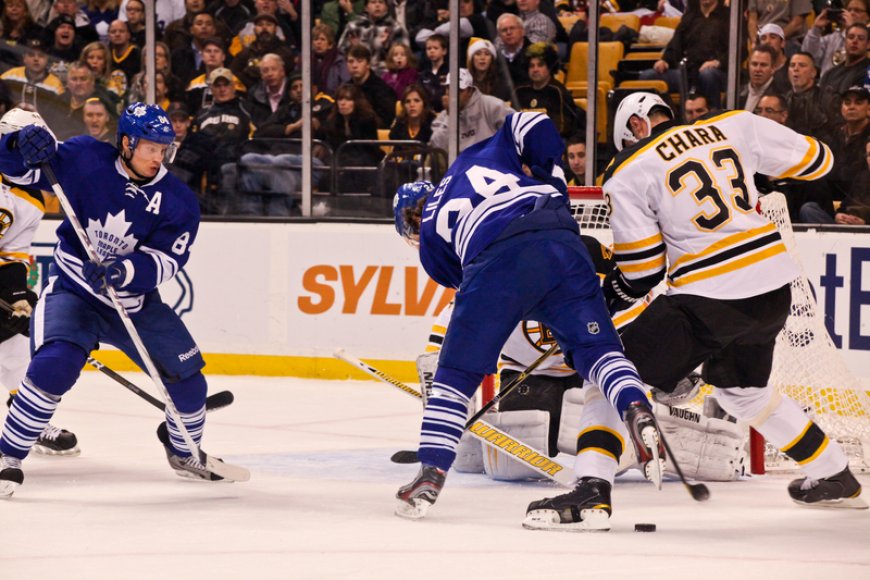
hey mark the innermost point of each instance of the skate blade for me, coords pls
(653, 469)
(416, 510)
(591, 520)
(49, 452)
(7, 488)
(849, 503)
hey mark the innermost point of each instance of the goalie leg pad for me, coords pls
(530, 426)
(543, 393)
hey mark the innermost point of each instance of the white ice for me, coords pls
(320, 504)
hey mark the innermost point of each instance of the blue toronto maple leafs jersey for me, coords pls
(484, 191)
(150, 226)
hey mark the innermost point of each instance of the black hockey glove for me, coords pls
(17, 321)
(618, 292)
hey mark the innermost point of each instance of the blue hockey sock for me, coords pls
(189, 398)
(617, 378)
(30, 412)
(445, 416)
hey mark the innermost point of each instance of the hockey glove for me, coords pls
(18, 321)
(101, 276)
(556, 177)
(36, 145)
(618, 292)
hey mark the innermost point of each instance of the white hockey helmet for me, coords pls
(639, 104)
(17, 119)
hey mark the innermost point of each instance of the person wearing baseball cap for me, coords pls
(480, 115)
(848, 141)
(789, 17)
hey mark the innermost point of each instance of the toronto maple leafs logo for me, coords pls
(139, 111)
(110, 237)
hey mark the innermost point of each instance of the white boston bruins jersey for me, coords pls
(683, 202)
(20, 213)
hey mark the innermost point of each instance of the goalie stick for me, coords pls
(486, 432)
(226, 471)
(212, 403)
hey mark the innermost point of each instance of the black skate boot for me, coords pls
(11, 475)
(837, 491)
(644, 431)
(188, 467)
(417, 497)
(54, 440)
(586, 509)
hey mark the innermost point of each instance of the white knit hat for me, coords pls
(480, 44)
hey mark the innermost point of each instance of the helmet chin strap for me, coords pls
(127, 159)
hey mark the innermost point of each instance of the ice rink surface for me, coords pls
(320, 504)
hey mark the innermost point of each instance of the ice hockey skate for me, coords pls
(54, 440)
(586, 509)
(841, 491)
(187, 467)
(11, 475)
(417, 497)
(645, 435)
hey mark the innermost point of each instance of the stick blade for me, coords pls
(405, 456)
(219, 400)
(228, 471)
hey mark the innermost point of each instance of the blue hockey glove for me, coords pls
(101, 276)
(36, 144)
(550, 179)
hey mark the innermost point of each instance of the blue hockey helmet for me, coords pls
(142, 121)
(405, 202)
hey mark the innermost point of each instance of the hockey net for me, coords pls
(806, 367)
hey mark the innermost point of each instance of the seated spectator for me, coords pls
(197, 94)
(85, 31)
(434, 70)
(790, 16)
(180, 118)
(217, 135)
(512, 44)
(696, 107)
(187, 60)
(67, 120)
(480, 116)
(401, 68)
(414, 121)
(177, 34)
(266, 40)
(337, 13)
(484, 70)
(575, 153)
(855, 209)
(378, 93)
(96, 56)
(61, 40)
(233, 14)
(810, 107)
(250, 32)
(98, 121)
(271, 93)
(760, 77)
(17, 25)
(166, 12)
(32, 82)
(853, 69)
(537, 27)
(286, 121)
(102, 13)
(827, 49)
(135, 12)
(353, 118)
(847, 142)
(126, 56)
(436, 20)
(376, 29)
(547, 95)
(175, 92)
(772, 35)
(328, 69)
(702, 39)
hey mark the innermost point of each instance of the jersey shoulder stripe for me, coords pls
(814, 164)
(31, 196)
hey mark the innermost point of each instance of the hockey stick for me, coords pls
(487, 433)
(225, 470)
(517, 381)
(212, 403)
(698, 491)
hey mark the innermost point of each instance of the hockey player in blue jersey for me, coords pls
(142, 222)
(499, 229)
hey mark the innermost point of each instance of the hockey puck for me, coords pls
(644, 527)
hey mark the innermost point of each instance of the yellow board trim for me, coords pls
(277, 366)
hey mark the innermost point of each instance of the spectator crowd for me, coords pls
(228, 74)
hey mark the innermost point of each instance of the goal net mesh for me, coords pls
(806, 365)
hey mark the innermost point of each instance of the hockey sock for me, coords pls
(445, 415)
(782, 422)
(601, 441)
(189, 398)
(30, 412)
(617, 378)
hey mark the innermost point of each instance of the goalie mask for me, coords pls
(636, 104)
(405, 204)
